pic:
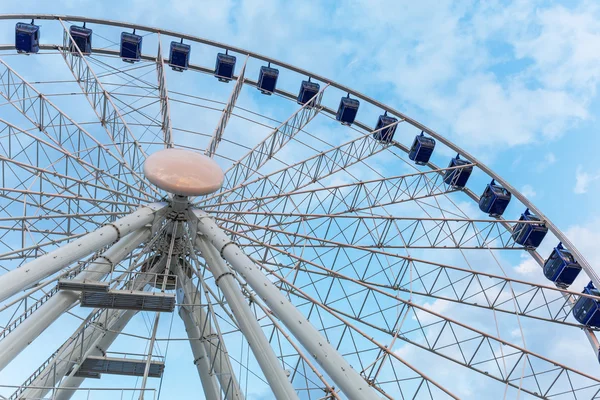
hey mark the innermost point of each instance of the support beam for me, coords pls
(88, 339)
(220, 129)
(201, 360)
(428, 278)
(376, 231)
(64, 132)
(165, 109)
(101, 101)
(261, 348)
(210, 337)
(345, 377)
(98, 350)
(32, 327)
(304, 173)
(31, 273)
(249, 164)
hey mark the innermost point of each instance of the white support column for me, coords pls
(201, 360)
(98, 349)
(32, 327)
(345, 377)
(96, 339)
(261, 348)
(31, 273)
(212, 340)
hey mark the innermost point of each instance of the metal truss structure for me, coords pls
(328, 265)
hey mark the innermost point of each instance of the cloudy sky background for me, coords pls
(514, 83)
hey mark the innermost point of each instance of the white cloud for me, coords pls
(528, 191)
(586, 238)
(583, 180)
(549, 159)
(441, 61)
(528, 266)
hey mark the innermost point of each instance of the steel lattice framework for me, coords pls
(327, 266)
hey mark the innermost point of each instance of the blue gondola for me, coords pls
(308, 90)
(529, 235)
(267, 79)
(457, 178)
(82, 37)
(179, 56)
(586, 310)
(494, 199)
(421, 149)
(224, 67)
(131, 47)
(561, 267)
(383, 131)
(27, 38)
(347, 110)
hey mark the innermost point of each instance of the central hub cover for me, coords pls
(183, 172)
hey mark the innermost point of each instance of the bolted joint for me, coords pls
(118, 232)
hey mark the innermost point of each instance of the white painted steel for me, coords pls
(349, 381)
(98, 350)
(201, 360)
(212, 340)
(26, 332)
(34, 271)
(97, 339)
(261, 348)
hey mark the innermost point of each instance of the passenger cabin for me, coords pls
(529, 235)
(308, 90)
(421, 149)
(586, 310)
(27, 38)
(561, 267)
(385, 128)
(458, 177)
(267, 80)
(347, 110)
(82, 37)
(494, 199)
(179, 56)
(131, 47)
(224, 67)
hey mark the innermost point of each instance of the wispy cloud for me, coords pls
(528, 191)
(549, 159)
(583, 179)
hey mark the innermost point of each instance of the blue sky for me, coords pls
(514, 83)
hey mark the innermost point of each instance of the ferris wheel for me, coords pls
(184, 218)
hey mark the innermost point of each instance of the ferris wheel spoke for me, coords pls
(304, 173)
(393, 272)
(163, 92)
(48, 185)
(61, 129)
(477, 350)
(251, 163)
(372, 231)
(347, 198)
(140, 100)
(56, 161)
(108, 114)
(211, 149)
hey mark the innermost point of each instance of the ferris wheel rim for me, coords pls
(553, 228)
(451, 145)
